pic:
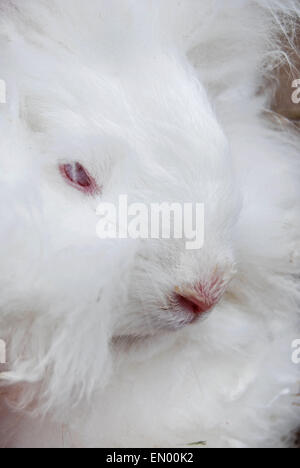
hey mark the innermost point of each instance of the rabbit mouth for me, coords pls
(184, 307)
(173, 321)
(181, 316)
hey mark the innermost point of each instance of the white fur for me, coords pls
(158, 99)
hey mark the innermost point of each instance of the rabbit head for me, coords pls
(79, 137)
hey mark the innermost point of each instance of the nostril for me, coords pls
(194, 304)
(201, 297)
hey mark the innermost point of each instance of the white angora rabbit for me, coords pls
(142, 342)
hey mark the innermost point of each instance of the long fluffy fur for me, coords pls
(149, 94)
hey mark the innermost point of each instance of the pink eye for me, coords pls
(79, 178)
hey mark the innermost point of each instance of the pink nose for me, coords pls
(201, 297)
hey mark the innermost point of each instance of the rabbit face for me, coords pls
(154, 139)
(148, 133)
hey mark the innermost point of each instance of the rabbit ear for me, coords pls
(75, 364)
(60, 354)
(55, 363)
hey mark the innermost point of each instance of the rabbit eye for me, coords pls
(77, 176)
